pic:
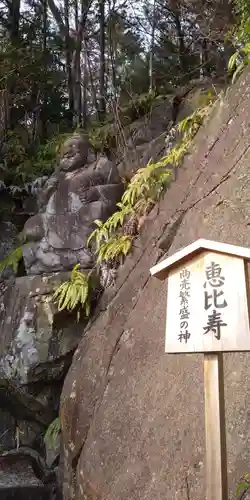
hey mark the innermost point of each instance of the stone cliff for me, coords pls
(128, 415)
(132, 417)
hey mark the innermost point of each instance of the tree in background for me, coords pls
(80, 62)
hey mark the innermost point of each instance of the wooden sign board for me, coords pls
(207, 301)
(207, 311)
(207, 308)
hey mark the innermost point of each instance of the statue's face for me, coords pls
(74, 153)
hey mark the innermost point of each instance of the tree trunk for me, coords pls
(13, 21)
(13, 35)
(84, 109)
(112, 58)
(84, 92)
(204, 62)
(93, 89)
(68, 54)
(42, 111)
(182, 48)
(77, 71)
(151, 55)
(102, 102)
(77, 44)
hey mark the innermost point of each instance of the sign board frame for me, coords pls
(225, 291)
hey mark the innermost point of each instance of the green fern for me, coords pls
(244, 485)
(100, 233)
(12, 260)
(190, 125)
(105, 229)
(144, 190)
(239, 60)
(53, 432)
(74, 293)
(116, 247)
(147, 182)
(117, 219)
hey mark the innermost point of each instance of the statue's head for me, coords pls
(75, 153)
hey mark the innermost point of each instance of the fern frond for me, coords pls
(12, 260)
(233, 61)
(100, 234)
(117, 219)
(239, 70)
(74, 292)
(116, 247)
(53, 432)
(64, 297)
(238, 61)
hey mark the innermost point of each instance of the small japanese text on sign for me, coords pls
(184, 313)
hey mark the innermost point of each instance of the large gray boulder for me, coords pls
(73, 197)
(37, 344)
(36, 349)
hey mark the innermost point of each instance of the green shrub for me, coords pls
(238, 61)
(74, 294)
(19, 166)
(107, 135)
(53, 432)
(240, 37)
(243, 486)
(12, 260)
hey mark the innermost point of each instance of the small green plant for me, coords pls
(238, 61)
(239, 35)
(107, 134)
(147, 182)
(104, 229)
(74, 294)
(53, 432)
(12, 260)
(192, 123)
(241, 31)
(44, 160)
(103, 136)
(20, 165)
(116, 247)
(243, 486)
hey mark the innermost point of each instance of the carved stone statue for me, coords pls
(81, 190)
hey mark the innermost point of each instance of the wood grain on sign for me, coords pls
(207, 308)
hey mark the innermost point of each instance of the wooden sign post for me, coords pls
(207, 311)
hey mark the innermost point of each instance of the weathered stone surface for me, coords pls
(7, 430)
(147, 137)
(36, 348)
(18, 480)
(69, 203)
(133, 417)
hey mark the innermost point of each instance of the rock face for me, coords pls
(18, 480)
(132, 416)
(36, 348)
(37, 345)
(147, 137)
(80, 191)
